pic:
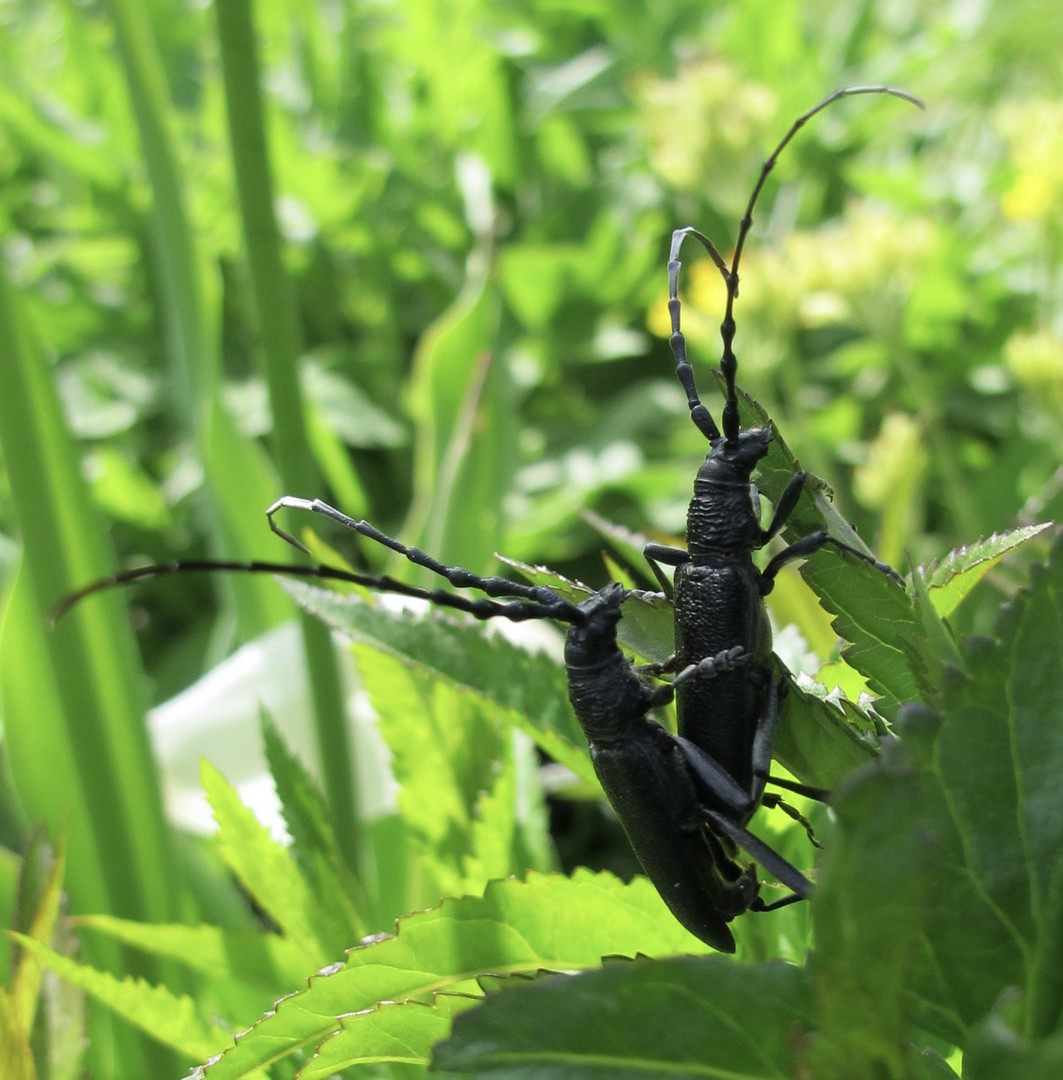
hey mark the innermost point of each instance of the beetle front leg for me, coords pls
(808, 545)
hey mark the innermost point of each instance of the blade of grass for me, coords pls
(238, 478)
(281, 346)
(73, 702)
(92, 654)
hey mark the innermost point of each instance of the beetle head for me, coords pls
(593, 638)
(731, 463)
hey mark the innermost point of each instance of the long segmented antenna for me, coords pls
(458, 577)
(728, 362)
(545, 605)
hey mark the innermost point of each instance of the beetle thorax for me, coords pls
(724, 515)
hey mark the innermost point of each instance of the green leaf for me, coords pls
(822, 741)
(510, 825)
(51, 1010)
(41, 909)
(350, 412)
(944, 864)
(314, 844)
(464, 453)
(876, 618)
(267, 961)
(16, 1056)
(172, 1019)
(873, 897)
(546, 922)
(999, 1047)
(535, 278)
(265, 868)
(949, 580)
(532, 687)
(999, 759)
(447, 746)
(939, 650)
(456, 761)
(689, 1017)
(72, 702)
(647, 628)
(393, 1032)
(870, 611)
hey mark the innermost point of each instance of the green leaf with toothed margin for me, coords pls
(950, 579)
(871, 610)
(546, 923)
(647, 626)
(822, 741)
(531, 685)
(170, 1017)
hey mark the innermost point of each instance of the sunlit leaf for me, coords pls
(548, 922)
(950, 579)
(169, 1017)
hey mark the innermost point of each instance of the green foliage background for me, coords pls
(410, 256)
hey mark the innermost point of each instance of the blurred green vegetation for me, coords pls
(452, 322)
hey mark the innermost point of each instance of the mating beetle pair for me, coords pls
(684, 800)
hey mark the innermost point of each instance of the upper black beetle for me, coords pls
(719, 591)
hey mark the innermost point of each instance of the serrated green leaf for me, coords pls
(532, 686)
(493, 831)
(264, 960)
(393, 1032)
(314, 844)
(876, 617)
(448, 745)
(688, 1017)
(944, 865)
(574, 591)
(648, 626)
(939, 650)
(170, 1018)
(820, 741)
(456, 761)
(547, 922)
(1000, 758)
(952, 578)
(871, 612)
(510, 825)
(265, 868)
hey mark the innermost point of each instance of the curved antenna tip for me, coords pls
(879, 88)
